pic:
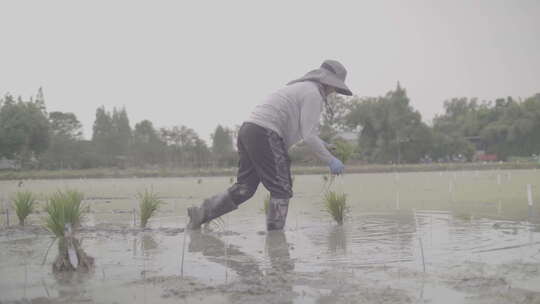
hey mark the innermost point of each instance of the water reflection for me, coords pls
(145, 243)
(277, 249)
(148, 242)
(217, 251)
(254, 278)
(383, 238)
(337, 240)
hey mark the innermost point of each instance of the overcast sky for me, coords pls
(203, 63)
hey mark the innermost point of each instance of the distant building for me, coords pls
(480, 147)
(8, 164)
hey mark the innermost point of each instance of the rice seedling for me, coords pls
(336, 205)
(64, 207)
(23, 202)
(65, 212)
(148, 204)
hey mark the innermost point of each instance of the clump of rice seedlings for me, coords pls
(148, 204)
(23, 202)
(199, 181)
(65, 211)
(231, 180)
(64, 207)
(336, 205)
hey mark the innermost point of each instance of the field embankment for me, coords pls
(185, 172)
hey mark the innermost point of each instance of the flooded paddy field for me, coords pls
(432, 237)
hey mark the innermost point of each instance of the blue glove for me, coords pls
(336, 166)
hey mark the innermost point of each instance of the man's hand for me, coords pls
(336, 166)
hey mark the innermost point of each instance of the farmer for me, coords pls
(285, 118)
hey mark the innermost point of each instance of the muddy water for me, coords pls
(449, 254)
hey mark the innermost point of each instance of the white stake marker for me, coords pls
(5, 204)
(134, 217)
(499, 179)
(529, 194)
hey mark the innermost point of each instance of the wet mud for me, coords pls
(407, 255)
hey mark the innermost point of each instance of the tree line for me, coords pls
(390, 130)
(35, 138)
(387, 129)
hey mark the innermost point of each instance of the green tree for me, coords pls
(65, 135)
(180, 142)
(24, 129)
(222, 146)
(112, 136)
(333, 117)
(392, 131)
(148, 148)
(201, 153)
(121, 133)
(102, 136)
(504, 127)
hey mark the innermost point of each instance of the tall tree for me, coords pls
(121, 133)
(180, 141)
(392, 131)
(333, 116)
(24, 129)
(102, 136)
(222, 146)
(65, 125)
(65, 149)
(147, 146)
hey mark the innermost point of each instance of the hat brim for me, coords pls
(338, 85)
(326, 78)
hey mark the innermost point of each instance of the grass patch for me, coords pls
(23, 202)
(148, 204)
(336, 205)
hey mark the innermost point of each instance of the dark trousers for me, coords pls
(263, 158)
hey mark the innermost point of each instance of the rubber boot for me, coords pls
(210, 209)
(277, 213)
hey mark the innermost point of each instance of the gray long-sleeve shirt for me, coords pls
(294, 113)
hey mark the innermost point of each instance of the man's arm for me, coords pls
(309, 121)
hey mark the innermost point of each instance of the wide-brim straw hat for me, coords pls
(331, 73)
